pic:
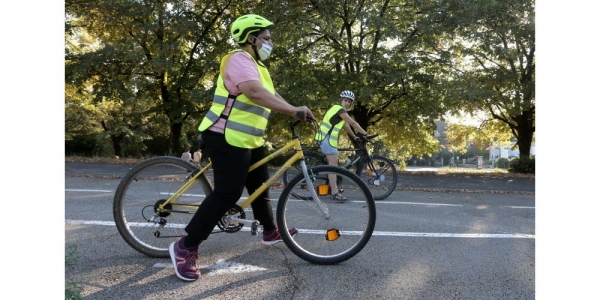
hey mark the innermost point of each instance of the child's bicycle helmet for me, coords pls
(347, 94)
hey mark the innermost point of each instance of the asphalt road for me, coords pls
(413, 179)
(437, 237)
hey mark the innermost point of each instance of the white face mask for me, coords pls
(265, 51)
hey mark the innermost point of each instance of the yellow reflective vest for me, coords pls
(246, 123)
(327, 128)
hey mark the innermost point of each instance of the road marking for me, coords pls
(276, 199)
(84, 222)
(307, 231)
(221, 267)
(229, 267)
(417, 203)
(521, 207)
(79, 190)
(455, 235)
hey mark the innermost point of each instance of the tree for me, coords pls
(495, 50)
(460, 136)
(163, 54)
(381, 50)
(148, 68)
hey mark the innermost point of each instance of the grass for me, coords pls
(110, 160)
(72, 289)
(472, 171)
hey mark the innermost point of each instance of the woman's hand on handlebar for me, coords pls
(303, 113)
(367, 137)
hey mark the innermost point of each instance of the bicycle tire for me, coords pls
(142, 189)
(380, 174)
(311, 158)
(354, 219)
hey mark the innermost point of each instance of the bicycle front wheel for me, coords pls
(329, 232)
(139, 195)
(380, 175)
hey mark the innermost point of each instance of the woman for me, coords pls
(335, 119)
(232, 132)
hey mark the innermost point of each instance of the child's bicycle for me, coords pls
(158, 197)
(377, 171)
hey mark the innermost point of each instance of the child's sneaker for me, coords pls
(273, 236)
(184, 260)
(339, 198)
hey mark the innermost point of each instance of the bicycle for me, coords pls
(377, 171)
(156, 199)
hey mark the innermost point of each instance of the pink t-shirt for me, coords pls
(239, 68)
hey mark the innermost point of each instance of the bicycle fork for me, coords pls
(311, 188)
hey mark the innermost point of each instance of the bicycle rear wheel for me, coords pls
(380, 175)
(142, 190)
(321, 239)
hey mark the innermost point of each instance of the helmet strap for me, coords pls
(255, 48)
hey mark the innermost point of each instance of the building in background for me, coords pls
(504, 151)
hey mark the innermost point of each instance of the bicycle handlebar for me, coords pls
(294, 123)
(367, 138)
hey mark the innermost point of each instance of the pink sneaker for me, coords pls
(184, 261)
(273, 237)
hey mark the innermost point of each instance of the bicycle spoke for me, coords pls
(327, 239)
(140, 195)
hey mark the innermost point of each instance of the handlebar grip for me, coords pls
(300, 115)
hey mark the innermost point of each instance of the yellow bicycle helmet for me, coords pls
(246, 24)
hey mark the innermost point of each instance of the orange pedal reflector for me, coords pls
(332, 234)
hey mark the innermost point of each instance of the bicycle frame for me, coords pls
(362, 153)
(294, 145)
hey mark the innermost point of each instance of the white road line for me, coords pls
(276, 199)
(521, 207)
(456, 235)
(79, 190)
(375, 233)
(417, 203)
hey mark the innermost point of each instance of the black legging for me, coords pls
(230, 166)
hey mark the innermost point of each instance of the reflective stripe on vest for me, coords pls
(245, 126)
(325, 127)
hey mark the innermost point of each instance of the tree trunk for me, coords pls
(174, 137)
(116, 141)
(525, 128)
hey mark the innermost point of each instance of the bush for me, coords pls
(502, 162)
(524, 166)
(86, 145)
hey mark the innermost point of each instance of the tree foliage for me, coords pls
(494, 65)
(142, 72)
(381, 50)
(157, 58)
(489, 133)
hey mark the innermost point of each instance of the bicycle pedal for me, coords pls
(254, 228)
